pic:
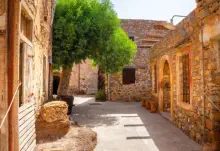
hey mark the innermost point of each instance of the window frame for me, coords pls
(26, 51)
(179, 54)
(134, 76)
(154, 75)
(25, 11)
(185, 78)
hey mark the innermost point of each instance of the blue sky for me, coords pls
(153, 9)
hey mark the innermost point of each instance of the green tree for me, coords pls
(89, 29)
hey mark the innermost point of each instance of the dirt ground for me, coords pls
(77, 139)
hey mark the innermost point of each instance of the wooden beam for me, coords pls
(13, 76)
(27, 41)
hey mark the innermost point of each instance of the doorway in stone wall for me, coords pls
(166, 86)
(56, 82)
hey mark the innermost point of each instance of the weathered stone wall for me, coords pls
(187, 38)
(40, 12)
(42, 40)
(145, 35)
(84, 79)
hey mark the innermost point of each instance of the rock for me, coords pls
(52, 121)
(54, 111)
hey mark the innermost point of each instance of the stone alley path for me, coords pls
(129, 127)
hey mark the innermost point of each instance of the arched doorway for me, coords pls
(166, 86)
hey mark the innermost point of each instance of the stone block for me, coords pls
(215, 116)
(52, 121)
(214, 135)
(209, 124)
(196, 117)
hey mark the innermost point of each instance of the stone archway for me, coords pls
(165, 87)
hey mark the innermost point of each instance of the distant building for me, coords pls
(133, 82)
(83, 79)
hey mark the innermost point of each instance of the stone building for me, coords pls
(25, 57)
(186, 94)
(83, 79)
(133, 82)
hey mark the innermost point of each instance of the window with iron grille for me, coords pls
(129, 76)
(155, 78)
(186, 79)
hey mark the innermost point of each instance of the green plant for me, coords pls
(89, 29)
(100, 95)
(85, 29)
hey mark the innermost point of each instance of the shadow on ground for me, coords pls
(126, 126)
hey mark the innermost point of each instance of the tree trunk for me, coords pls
(64, 81)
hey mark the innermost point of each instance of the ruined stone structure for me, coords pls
(177, 74)
(145, 33)
(83, 79)
(25, 57)
(87, 76)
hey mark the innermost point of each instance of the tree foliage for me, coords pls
(90, 29)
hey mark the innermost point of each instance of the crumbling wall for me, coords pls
(83, 79)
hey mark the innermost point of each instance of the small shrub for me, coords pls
(100, 95)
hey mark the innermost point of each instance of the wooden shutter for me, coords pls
(26, 72)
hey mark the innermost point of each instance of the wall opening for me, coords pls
(129, 76)
(56, 82)
(101, 79)
(166, 88)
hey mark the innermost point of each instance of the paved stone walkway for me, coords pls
(129, 127)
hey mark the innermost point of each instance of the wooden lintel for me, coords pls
(27, 41)
(27, 10)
